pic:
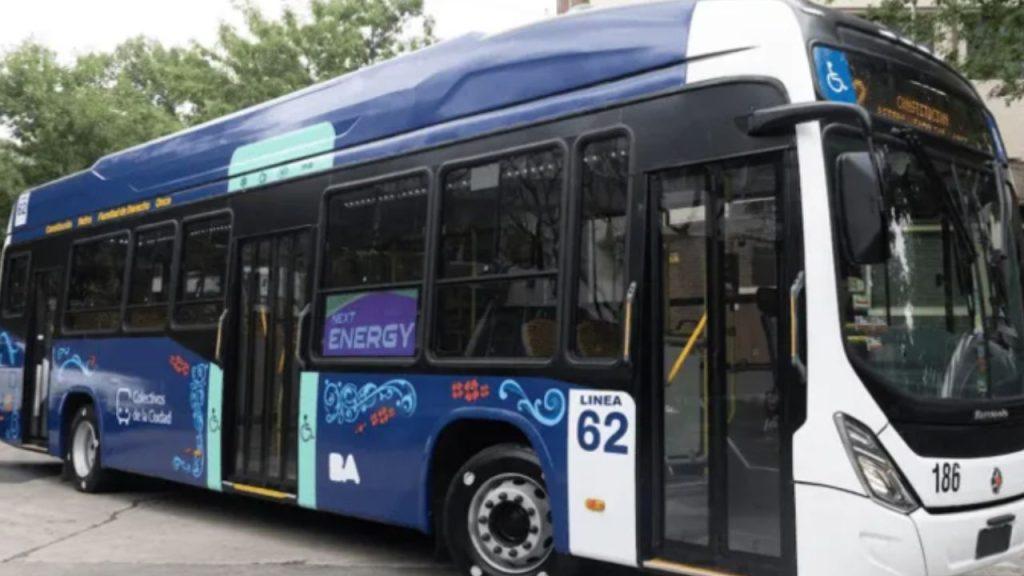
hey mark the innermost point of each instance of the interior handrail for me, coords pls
(688, 349)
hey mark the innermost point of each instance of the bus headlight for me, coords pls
(877, 472)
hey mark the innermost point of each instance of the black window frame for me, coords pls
(557, 272)
(11, 257)
(173, 280)
(70, 277)
(321, 260)
(574, 243)
(175, 301)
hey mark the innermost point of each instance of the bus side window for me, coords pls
(15, 285)
(375, 246)
(97, 283)
(204, 265)
(497, 286)
(149, 284)
(601, 280)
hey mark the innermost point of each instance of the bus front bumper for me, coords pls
(951, 540)
(840, 533)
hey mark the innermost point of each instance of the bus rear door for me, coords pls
(44, 293)
(273, 292)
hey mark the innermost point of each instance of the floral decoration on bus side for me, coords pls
(548, 410)
(192, 464)
(66, 359)
(470, 391)
(179, 364)
(345, 402)
(11, 354)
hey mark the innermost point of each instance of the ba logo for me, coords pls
(997, 481)
(343, 470)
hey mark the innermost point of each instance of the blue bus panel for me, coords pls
(294, 135)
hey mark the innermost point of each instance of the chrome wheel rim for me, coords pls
(510, 523)
(84, 448)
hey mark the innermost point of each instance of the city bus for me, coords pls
(696, 287)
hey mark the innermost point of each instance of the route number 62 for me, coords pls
(593, 433)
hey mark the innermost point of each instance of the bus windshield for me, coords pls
(942, 318)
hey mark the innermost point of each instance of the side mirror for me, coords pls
(864, 221)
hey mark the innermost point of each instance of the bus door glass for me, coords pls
(45, 292)
(719, 258)
(273, 294)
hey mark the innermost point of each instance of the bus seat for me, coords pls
(598, 339)
(539, 337)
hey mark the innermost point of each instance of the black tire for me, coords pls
(86, 478)
(503, 483)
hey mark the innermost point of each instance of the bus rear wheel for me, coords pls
(82, 461)
(497, 516)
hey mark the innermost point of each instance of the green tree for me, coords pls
(10, 177)
(269, 58)
(983, 38)
(57, 118)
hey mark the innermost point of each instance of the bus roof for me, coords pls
(298, 133)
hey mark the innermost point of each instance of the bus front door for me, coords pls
(273, 285)
(45, 292)
(717, 261)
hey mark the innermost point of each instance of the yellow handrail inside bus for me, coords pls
(681, 360)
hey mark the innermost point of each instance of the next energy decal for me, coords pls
(371, 324)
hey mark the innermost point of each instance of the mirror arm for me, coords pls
(778, 119)
(768, 121)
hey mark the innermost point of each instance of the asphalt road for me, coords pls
(156, 529)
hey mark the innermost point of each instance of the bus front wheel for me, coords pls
(82, 459)
(497, 516)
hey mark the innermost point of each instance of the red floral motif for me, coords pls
(179, 365)
(470, 391)
(361, 427)
(382, 416)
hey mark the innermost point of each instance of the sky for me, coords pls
(74, 27)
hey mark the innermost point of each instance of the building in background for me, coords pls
(1010, 117)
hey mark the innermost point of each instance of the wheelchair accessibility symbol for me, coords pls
(306, 433)
(834, 78)
(835, 81)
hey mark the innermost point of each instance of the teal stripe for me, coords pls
(262, 162)
(214, 418)
(308, 395)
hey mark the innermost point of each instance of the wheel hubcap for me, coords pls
(510, 523)
(84, 447)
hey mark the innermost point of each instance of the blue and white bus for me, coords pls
(700, 287)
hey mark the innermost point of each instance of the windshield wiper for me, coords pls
(950, 200)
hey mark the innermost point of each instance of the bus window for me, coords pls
(97, 281)
(604, 176)
(16, 288)
(375, 246)
(203, 269)
(498, 272)
(375, 234)
(149, 285)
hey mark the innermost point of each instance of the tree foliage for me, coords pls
(982, 38)
(57, 118)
